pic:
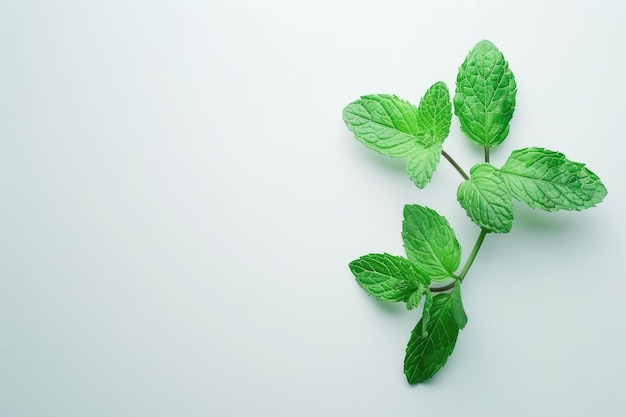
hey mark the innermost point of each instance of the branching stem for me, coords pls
(472, 256)
(479, 240)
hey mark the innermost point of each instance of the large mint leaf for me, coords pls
(485, 95)
(396, 128)
(486, 199)
(384, 123)
(431, 343)
(430, 242)
(548, 180)
(389, 278)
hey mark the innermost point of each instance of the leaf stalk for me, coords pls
(455, 165)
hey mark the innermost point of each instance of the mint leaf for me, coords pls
(387, 277)
(396, 128)
(427, 351)
(434, 114)
(422, 163)
(384, 123)
(486, 199)
(458, 312)
(430, 242)
(428, 303)
(485, 95)
(548, 180)
(414, 299)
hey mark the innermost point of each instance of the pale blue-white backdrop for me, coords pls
(179, 200)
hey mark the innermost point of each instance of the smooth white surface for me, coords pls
(180, 199)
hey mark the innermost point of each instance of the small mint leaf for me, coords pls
(422, 163)
(387, 277)
(485, 95)
(429, 349)
(415, 297)
(486, 199)
(384, 123)
(458, 312)
(434, 114)
(549, 181)
(430, 242)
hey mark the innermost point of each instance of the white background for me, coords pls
(180, 199)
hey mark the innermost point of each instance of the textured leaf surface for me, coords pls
(486, 199)
(422, 163)
(485, 95)
(430, 242)
(396, 128)
(434, 114)
(414, 299)
(383, 123)
(387, 277)
(548, 180)
(427, 351)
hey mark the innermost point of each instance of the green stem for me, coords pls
(454, 164)
(486, 153)
(468, 263)
(472, 256)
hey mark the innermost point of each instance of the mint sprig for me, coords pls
(484, 102)
(396, 128)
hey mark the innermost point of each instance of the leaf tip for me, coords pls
(485, 44)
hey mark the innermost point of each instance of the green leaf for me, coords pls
(387, 277)
(427, 351)
(485, 95)
(428, 303)
(458, 312)
(415, 297)
(430, 242)
(434, 114)
(396, 128)
(548, 180)
(422, 164)
(384, 123)
(486, 199)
